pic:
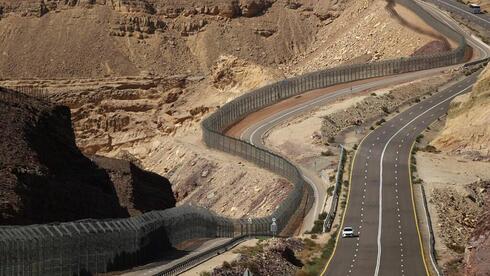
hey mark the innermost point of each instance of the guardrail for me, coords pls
(432, 241)
(93, 246)
(327, 223)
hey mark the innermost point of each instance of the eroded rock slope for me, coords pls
(46, 178)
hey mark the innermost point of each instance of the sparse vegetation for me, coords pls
(327, 153)
(317, 227)
(432, 149)
(315, 266)
(330, 190)
(380, 122)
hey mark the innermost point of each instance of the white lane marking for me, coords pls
(302, 107)
(380, 212)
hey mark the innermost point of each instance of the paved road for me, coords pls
(254, 133)
(380, 206)
(464, 11)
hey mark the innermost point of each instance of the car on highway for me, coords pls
(475, 8)
(347, 232)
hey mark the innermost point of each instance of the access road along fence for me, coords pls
(95, 246)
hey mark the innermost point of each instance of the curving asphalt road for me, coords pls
(380, 207)
(380, 204)
(255, 133)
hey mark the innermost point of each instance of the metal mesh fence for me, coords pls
(92, 246)
(17, 94)
(95, 246)
(234, 111)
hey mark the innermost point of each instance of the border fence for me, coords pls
(17, 94)
(93, 246)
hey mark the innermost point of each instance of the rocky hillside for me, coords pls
(46, 178)
(467, 130)
(123, 37)
(139, 75)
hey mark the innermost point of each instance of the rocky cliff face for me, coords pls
(467, 130)
(121, 38)
(46, 178)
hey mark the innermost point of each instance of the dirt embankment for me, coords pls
(462, 207)
(467, 130)
(378, 105)
(46, 178)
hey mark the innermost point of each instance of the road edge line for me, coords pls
(414, 208)
(346, 203)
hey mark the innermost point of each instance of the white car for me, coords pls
(347, 232)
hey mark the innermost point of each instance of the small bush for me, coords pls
(417, 100)
(314, 236)
(317, 227)
(354, 147)
(322, 216)
(385, 110)
(327, 153)
(331, 139)
(371, 128)
(330, 190)
(373, 94)
(430, 148)
(226, 265)
(343, 203)
(380, 122)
